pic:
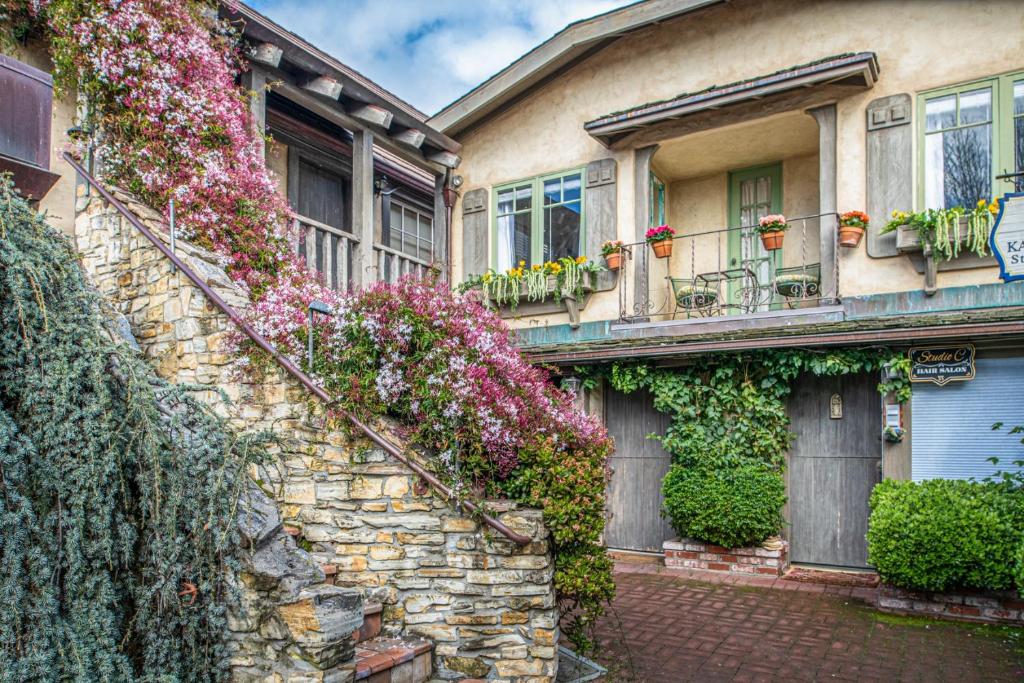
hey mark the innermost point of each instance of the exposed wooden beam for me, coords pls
(372, 114)
(324, 85)
(333, 113)
(267, 54)
(446, 159)
(411, 137)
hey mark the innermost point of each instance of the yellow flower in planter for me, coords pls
(580, 260)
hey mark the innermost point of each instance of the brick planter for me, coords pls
(1005, 607)
(687, 553)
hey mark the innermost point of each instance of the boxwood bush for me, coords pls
(729, 505)
(944, 534)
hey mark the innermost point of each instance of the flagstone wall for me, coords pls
(487, 604)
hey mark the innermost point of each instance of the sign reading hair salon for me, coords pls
(1007, 238)
(942, 364)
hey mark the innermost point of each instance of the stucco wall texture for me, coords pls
(916, 45)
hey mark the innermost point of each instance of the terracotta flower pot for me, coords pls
(613, 261)
(662, 248)
(850, 235)
(772, 241)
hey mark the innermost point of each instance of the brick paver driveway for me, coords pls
(673, 628)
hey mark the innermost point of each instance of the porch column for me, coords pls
(364, 267)
(442, 231)
(827, 226)
(255, 80)
(642, 213)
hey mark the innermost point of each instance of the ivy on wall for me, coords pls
(729, 431)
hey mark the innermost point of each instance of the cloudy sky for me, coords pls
(429, 52)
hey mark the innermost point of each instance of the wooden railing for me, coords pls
(329, 251)
(393, 264)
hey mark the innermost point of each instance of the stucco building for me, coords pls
(707, 116)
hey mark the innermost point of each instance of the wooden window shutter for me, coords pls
(475, 235)
(890, 168)
(601, 213)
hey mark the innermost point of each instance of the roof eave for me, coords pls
(564, 48)
(260, 29)
(864, 64)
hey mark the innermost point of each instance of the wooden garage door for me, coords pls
(638, 466)
(833, 465)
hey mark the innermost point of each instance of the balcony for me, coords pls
(728, 273)
(335, 254)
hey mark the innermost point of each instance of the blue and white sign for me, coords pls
(1007, 238)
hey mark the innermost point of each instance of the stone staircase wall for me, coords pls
(486, 604)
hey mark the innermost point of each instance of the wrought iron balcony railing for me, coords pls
(729, 272)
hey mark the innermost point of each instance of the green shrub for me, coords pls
(731, 506)
(945, 534)
(1018, 572)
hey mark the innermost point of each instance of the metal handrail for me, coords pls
(719, 231)
(287, 364)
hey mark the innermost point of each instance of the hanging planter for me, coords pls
(772, 229)
(852, 225)
(612, 252)
(660, 239)
(798, 285)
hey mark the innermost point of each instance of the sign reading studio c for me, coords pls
(1007, 238)
(942, 364)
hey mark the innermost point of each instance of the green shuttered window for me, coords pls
(538, 219)
(968, 135)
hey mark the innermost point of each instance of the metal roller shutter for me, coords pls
(951, 430)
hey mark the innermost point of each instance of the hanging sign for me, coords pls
(942, 364)
(1007, 237)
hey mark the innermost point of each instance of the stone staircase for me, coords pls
(389, 660)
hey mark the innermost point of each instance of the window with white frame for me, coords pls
(538, 220)
(970, 134)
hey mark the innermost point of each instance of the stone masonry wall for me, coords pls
(487, 604)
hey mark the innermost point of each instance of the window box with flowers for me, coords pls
(660, 239)
(555, 286)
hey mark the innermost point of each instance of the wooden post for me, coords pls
(826, 118)
(364, 268)
(255, 79)
(641, 203)
(442, 231)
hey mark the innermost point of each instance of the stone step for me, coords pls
(394, 660)
(371, 622)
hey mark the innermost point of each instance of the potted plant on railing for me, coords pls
(852, 225)
(772, 229)
(612, 252)
(660, 239)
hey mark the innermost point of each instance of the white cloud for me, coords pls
(429, 52)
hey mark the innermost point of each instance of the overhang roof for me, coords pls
(853, 70)
(297, 56)
(575, 42)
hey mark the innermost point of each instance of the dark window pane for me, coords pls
(1018, 145)
(524, 198)
(958, 167)
(562, 231)
(321, 195)
(1018, 97)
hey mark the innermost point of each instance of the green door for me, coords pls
(753, 193)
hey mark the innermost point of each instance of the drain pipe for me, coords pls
(288, 365)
